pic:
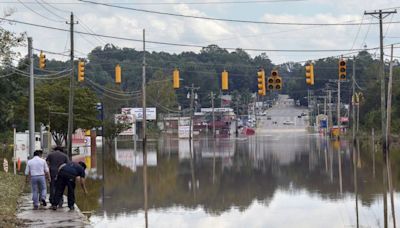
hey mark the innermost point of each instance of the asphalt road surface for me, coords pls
(283, 116)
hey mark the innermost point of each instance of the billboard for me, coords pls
(138, 112)
(126, 119)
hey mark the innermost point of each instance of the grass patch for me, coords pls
(11, 187)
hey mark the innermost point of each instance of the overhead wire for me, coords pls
(186, 45)
(51, 12)
(358, 31)
(115, 92)
(221, 19)
(175, 3)
(37, 13)
(112, 97)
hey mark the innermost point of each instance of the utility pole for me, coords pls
(381, 15)
(325, 115)
(71, 91)
(237, 117)
(330, 109)
(389, 102)
(144, 119)
(213, 114)
(31, 100)
(192, 94)
(338, 107)
(353, 99)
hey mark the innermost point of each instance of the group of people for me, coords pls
(59, 172)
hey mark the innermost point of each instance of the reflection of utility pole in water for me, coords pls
(192, 169)
(331, 161)
(145, 186)
(373, 153)
(213, 177)
(355, 162)
(340, 170)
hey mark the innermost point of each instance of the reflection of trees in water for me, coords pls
(250, 177)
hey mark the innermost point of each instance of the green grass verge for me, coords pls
(11, 187)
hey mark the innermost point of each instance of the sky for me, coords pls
(112, 21)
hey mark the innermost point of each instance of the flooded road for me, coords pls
(276, 180)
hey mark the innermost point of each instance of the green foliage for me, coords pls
(51, 108)
(160, 94)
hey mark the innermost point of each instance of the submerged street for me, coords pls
(267, 180)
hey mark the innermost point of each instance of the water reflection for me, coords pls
(259, 181)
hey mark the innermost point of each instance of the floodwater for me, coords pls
(277, 180)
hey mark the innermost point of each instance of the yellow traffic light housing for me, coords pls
(81, 71)
(42, 60)
(270, 83)
(224, 80)
(275, 81)
(118, 74)
(342, 70)
(278, 83)
(261, 82)
(310, 74)
(175, 79)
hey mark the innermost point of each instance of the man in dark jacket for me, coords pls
(66, 177)
(55, 159)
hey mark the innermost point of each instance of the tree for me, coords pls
(51, 108)
(160, 93)
(10, 84)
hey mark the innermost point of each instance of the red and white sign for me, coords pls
(127, 119)
(344, 119)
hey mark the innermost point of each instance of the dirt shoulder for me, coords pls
(11, 187)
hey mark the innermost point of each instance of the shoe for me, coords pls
(54, 208)
(35, 207)
(60, 206)
(43, 202)
(71, 208)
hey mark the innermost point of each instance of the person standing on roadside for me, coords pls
(55, 159)
(37, 170)
(66, 177)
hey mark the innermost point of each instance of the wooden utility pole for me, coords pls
(192, 94)
(389, 102)
(353, 118)
(144, 119)
(330, 109)
(338, 107)
(71, 91)
(381, 15)
(213, 113)
(31, 100)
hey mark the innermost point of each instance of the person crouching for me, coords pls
(68, 175)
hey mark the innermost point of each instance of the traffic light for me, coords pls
(274, 81)
(261, 82)
(278, 83)
(310, 74)
(342, 70)
(81, 70)
(42, 60)
(118, 74)
(270, 83)
(175, 78)
(224, 80)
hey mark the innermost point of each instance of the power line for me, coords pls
(187, 45)
(174, 3)
(226, 20)
(51, 12)
(37, 13)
